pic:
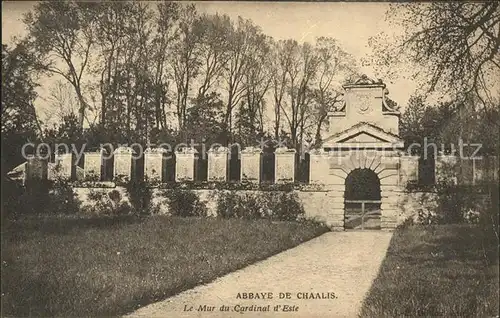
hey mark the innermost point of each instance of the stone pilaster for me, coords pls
(284, 165)
(335, 208)
(93, 165)
(250, 164)
(389, 207)
(184, 164)
(408, 170)
(154, 164)
(318, 167)
(64, 166)
(123, 164)
(217, 164)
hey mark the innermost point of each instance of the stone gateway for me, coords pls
(363, 154)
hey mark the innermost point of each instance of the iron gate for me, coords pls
(362, 214)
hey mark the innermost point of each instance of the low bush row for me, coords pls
(274, 205)
(59, 198)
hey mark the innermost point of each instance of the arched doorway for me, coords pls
(362, 200)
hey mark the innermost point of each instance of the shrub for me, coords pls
(459, 203)
(273, 205)
(244, 205)
(18, 200)
(408, 222)
(140, 196)
(38, 197)
(185, 203)
(62, 198)
(107, 204)
(286, 207)
(489, 223)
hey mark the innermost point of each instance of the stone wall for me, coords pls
(317, 203)
(323, 199)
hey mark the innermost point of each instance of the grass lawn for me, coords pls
(96, 267)
(436, 271)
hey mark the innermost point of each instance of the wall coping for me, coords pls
(155, 150)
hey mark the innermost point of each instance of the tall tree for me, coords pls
(20, 123)
(455, 44)
(62, 98)
(185, 59)
(59, 32)
(111, 36)
(166, 32)
(243, 39)
(215, 50)
(251, 114)
(335, 67)
(302, 68)
(280, 65)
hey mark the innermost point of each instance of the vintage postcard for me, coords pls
(247, 159)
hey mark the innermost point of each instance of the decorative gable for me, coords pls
(364, 101)
(363, 135)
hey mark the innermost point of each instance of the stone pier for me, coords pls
(217, 164)
(284, 165)
(154, 164)
(184, 164)
(250, 164)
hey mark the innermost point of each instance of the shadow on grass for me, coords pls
(449, 270)
(22, 228)
(109, 267)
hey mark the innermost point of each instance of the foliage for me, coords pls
(451, 47)
(138, 71)
(455, 203)
(273, 205)
(456, 41)
(139, 194)
(19, 120)
(287, 187)
(445, 123)
(489, 223)
(308, 76)
(11, 197)
(63, 200)
(245, 205)
(284, 206)
(39, 197)
(184, 203)
(204, 119)
(106, 204)
(59, 32)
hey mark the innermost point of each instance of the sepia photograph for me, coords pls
(250, 159)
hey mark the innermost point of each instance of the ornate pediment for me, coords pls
(363, 135)
(365, 80)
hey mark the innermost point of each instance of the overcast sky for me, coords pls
(352, 24)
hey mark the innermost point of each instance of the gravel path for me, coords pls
(338, 265)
